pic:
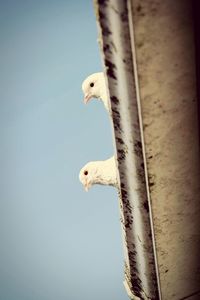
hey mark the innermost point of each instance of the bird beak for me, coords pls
(87, 186)
(87, 98)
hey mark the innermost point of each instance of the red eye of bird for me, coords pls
(85, 172)
(92, 84)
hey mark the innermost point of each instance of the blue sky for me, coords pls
(57, 241)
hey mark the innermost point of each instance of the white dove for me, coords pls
(99, 172)
(94, 86)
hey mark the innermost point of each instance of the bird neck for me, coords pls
(104, 99)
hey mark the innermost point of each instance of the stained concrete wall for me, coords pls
(166, 68)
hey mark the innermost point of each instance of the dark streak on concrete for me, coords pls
(135, 280)
(138, 148)
(128, 221)
(106, 48)
(119, 140)
(146, 206)
(115, 111)
(121, 154)
(116, 120)
(139, 8)
(140, 11)
(110, 69)
(103, 2)
(114, 99)
(124, 17)
(124, 193)
(122, 185)
(191, 295)
(106, 31)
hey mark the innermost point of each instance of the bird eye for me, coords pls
(85, 173)
(92, 84)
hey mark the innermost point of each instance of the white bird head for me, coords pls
(99, 172)
(88, 175)
(94, 86)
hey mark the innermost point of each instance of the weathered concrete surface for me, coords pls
(166, 69)
(140, 264)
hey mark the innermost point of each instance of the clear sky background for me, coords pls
(56, 240)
